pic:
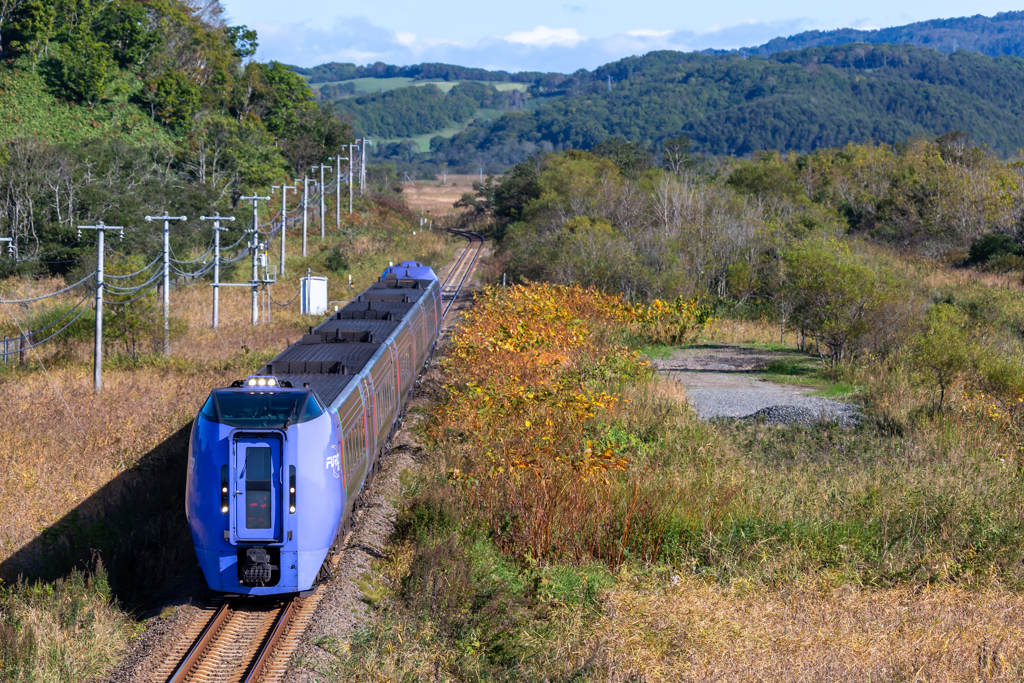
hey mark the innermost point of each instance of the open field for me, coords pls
(438, 197)
(423, 141)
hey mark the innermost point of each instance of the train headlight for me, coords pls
(224, 489)
(261, 381)
(291, 488)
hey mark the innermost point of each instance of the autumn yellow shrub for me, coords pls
(537, 385)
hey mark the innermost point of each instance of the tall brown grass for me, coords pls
(697, 631)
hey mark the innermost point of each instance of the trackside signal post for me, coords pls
(216, 259)
(100, 228)
(254, 246)
(167, 274)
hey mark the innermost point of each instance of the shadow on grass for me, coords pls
(135, 524)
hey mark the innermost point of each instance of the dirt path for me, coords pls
(721, 381)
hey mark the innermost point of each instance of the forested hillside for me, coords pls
(112, 110)
(1002, 34)
(812, 90)
(726, 104)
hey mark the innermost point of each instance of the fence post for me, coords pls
(21, 349)
(5, 349)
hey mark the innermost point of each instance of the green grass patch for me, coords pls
(658, 352)
(27, 108)
(423, 141)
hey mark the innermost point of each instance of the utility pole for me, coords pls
(305, 210)
(216, 218)
(254, 246)
(167, 274)
(362, 163)
(323, 230)
(337, 159)
(97, 371)
(284, 214)
(351, 160)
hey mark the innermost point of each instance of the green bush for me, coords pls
(336, 261)
(84, 66)
(943, 349)
(991, 247)
(176, 98)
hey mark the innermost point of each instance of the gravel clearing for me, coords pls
(776, 403)
(720, 383)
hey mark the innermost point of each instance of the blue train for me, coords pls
(277, 460)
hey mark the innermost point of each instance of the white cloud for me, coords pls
(356, 39)
(647, 33)
(865, 25)
(542, 36)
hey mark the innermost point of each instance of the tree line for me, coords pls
(729, 105)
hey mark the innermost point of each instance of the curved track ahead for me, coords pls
(457, 276)
(244, 640)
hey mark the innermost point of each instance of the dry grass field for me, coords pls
(436, 197)
(695, 631)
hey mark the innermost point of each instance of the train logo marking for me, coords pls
(334, 460)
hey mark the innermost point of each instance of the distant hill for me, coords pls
(1002, 34)
(814, 89)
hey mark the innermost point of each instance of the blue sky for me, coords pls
(551, 35)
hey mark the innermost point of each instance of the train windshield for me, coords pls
(261, 409)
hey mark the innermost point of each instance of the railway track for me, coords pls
(248, 640)
(457, 276)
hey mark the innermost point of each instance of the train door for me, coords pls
(257, 488)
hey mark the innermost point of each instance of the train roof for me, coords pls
(411, 269)
(336, 350)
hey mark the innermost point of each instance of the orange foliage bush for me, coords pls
(538, 386)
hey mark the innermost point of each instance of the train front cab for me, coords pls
(259, 507)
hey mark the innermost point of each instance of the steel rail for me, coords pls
(472, 237)
(267, 648)
(457, 263)
(198, 650)
(208, 644)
